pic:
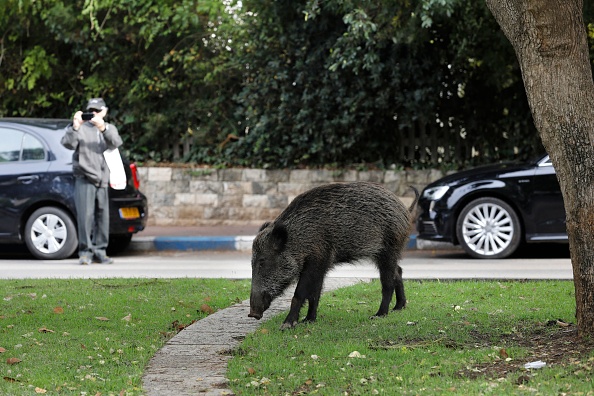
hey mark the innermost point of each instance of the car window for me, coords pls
(17, 145)
(10, 145)
(32, 149)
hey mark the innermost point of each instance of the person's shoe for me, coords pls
(84, 261)
(104, 260)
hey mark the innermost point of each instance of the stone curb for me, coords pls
(236, 243)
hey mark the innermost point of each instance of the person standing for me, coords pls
(89, 136)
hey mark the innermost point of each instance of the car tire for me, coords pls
(489, 228)
(50, 234)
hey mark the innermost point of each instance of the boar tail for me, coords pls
(411, 208)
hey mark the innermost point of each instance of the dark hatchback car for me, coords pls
(37, 192)
(490, 211)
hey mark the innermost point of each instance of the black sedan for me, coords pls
(490, 211)
(37, 192)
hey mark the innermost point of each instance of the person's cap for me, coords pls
(96, 104)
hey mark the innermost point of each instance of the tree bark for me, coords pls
(549, 38)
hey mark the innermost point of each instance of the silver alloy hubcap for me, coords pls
(488, 229)
(48, 233)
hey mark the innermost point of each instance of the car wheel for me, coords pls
(488, 228)
(50, 234)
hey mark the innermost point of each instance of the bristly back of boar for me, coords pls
(329, 225)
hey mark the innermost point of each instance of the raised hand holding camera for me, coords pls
(98, 121)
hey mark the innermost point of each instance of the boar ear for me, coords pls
(264, 226)
(279, 236)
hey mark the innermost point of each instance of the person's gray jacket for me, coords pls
(88, 145)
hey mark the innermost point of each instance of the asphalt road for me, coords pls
(538, 263)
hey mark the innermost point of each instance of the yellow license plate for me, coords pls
(129, 213)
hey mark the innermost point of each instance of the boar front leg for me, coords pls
(308, 288)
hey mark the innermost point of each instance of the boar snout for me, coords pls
(258, 304)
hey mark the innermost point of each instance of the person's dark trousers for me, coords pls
(92, 212)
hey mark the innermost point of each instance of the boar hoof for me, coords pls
(288, 325)
(255, 315)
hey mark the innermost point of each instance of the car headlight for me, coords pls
(435, 193)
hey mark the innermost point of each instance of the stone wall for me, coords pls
(205, 196)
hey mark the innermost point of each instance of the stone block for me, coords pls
(434, 174)
(237, 188)
(254, 175)
(344, 175)
(295, 189)
(227, 200)
(184, 199)
(259, 201)
(278, 176)
(371, 176)
(230, 175)
(206, 187)
(393, 177)
(206, 199)
(268, 188)
(159, 174)
(189, 214)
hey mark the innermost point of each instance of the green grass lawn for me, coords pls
(459, 338)
(94, 337)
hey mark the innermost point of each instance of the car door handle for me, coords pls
(27, 179)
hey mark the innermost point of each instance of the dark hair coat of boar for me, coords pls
(325, 226)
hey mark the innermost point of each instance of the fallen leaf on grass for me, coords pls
(503, 353)
(45, 330)
(13, 360)
(177, 326)
(251, 371)
(2, 350)
(562, 323)
(40, 390)
(558, 322)
(9, 379)
(127, 318)
(356, 354)
(205, 308)
(58, 310)
(102, 318)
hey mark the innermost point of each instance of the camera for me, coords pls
(86, 116)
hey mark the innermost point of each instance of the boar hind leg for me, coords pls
(387, 281)
(391, 279)
(399, 289)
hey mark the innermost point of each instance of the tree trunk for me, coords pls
(550, 41)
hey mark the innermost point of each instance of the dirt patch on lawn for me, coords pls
(556, 343)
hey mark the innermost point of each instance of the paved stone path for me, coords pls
(194, 362)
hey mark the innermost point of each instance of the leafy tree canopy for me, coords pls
(274, 83)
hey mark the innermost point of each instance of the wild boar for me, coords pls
(326, 226)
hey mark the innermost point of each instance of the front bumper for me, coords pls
(435, 224)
